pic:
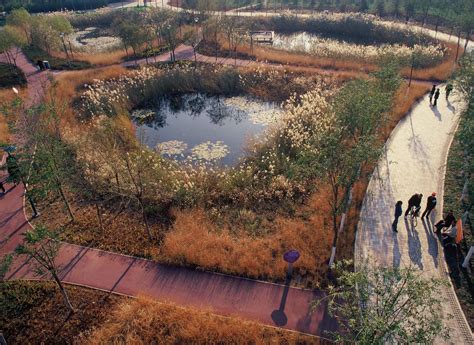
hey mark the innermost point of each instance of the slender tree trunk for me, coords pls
(457, 47)
(466, 43)
(66, 202)
(145, 219)
(63, 292)
(99, 217)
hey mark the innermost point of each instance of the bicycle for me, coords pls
(414, 215)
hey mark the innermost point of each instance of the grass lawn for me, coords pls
(57, 63)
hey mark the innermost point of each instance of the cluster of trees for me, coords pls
(23, 29)
(51, 5)
(140, 30)
(437, 12)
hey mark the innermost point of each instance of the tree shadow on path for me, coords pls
(432, 241)
(414, 245)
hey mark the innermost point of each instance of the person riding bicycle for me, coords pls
(414, 201)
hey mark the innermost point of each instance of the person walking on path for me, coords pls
(2, 187)
(436, 96)
(432, 92)
(430, 205)
(414, 201)
(398, 213)
(449, 89)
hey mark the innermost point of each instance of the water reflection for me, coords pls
(203, 127)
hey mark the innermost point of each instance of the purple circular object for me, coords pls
(291, 256)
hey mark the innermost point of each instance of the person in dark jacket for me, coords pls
(398, 213)
(436, 96)
(432, 92)
(449, 89)
(2, 187)
(447, 221)
(414, 201)
(430, 205)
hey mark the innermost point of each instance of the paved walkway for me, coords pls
(271, 304)
(414, 162)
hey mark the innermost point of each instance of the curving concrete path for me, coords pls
(272, 304)
(414, 162)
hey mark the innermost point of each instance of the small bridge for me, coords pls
(262, 36)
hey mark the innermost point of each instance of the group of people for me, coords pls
(435, 92)
(414, 204)
(448, 223)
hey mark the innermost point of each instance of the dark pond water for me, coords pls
(200, 127)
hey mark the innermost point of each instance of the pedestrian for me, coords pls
(433, 89)
(449, 89)
(398, 213)
(447, 221)
(436, 96)
(414, 201)
(430, 205)
(2, 187)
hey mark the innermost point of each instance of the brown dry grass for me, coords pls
(6, 97)
(144, 321)
(195, 240)
(97, 59)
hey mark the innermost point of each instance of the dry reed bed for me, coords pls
(439, 72)
(144, 321)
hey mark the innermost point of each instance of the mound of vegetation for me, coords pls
(11, 75)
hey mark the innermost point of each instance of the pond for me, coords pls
(204, 128)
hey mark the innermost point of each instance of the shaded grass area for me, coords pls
(34, 313)
(144, 321)
(462, 278)
(56, 63)
(11, 75)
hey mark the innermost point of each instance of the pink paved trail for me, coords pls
(271, 304)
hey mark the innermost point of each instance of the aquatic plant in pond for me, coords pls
(204, 128)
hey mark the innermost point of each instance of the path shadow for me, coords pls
(436, 112)
(414, 245)
(432, 240)
(417, 146)
(278, 316)
(396, 250)
(451, 107)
